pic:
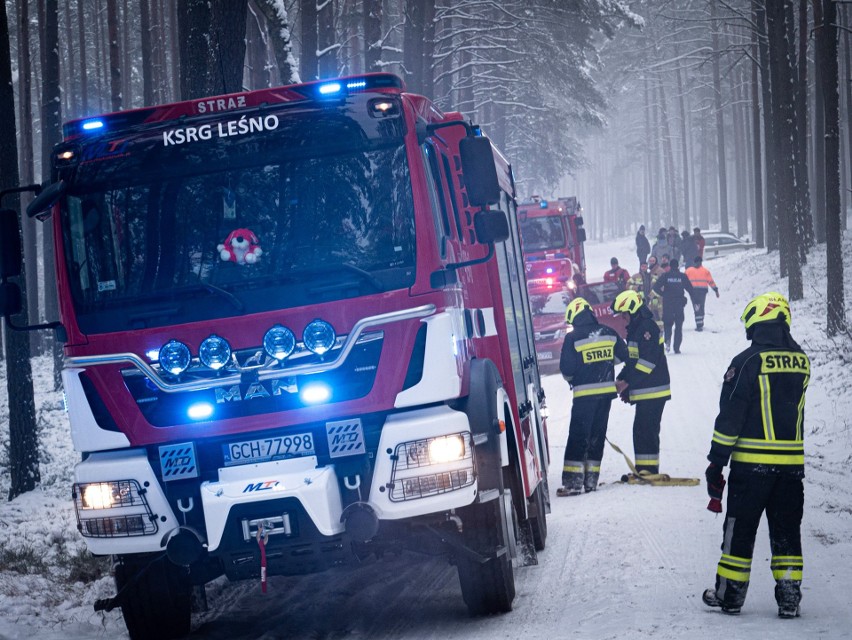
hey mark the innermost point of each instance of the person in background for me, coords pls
(643, 247)
(643, 284)
(688, 249)
(760, 429)
(664, 264)
(671, 286)
(644, 380)
(654, 266)
(700, 241)
(661, 245)
(589, 355)
(617, 274)
(673, 241)
(701, 279)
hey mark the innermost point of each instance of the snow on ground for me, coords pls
(624, 562)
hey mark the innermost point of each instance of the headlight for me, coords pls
(319, 336)
(447, 449)
(105, 495)
(174, 357)
(279, 342)
(214, 352)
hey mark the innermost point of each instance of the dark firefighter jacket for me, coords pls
(588, 358)
(647, 371)
(671, 286)
(762, 407)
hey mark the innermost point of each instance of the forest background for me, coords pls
(728, 114)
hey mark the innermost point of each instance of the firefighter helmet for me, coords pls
(627, 302)
(574, 308)
(765, 308)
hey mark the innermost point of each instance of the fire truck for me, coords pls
(296, 332)
(553, 237)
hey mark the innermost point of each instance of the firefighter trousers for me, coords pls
(781, 496)
(673, 315)
(586, 439)
(646, 434)
(699, 297)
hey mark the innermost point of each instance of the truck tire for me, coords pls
(538, 518)
(489, 587)
(156, 597)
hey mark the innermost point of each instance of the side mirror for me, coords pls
(41, 205)
(579, 221)
(11, 259)
(581, 234)
(10, 299)
(480, 172)
(491, 226)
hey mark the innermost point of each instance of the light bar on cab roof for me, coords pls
(92, 125)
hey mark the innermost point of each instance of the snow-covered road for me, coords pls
(624, 562)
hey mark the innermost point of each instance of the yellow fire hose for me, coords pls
(652, 479)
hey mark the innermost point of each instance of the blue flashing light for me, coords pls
(357, 84)
(549, 270)
(93, 125)
(543, 204)
(200, 411)
(329, 88)
(315, 393)
(153, 354)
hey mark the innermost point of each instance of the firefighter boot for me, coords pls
(712, 600)
(788, 594)
(572, 484)
(593, 474)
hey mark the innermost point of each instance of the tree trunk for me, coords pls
(81, 47)
(803, 222)
(668, 155)
(372, 34)
(826, 33)
(772, 202)
(308, 65)
(653, 207)
(279, 34)
(684, 150)
(757, 154)
(783, 89)
(193, 25)
(720, 123)
(147, 65)
(51, 134)
(114, 57)
(327, 44)
(819, 133)
(70, 70)
(739, 151)
(228, 40)
(23, 435)
(845, 12)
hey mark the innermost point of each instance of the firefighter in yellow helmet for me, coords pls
(644, 381)
(589, 353)
(760, 429)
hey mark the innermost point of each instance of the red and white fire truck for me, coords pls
(296, 331)
(555, 258)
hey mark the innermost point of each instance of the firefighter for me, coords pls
(644, 381)
(701, 280)
(587, 362)
(642, 282)
(760, 428)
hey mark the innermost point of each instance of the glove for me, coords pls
(716, 292)
(715, 487)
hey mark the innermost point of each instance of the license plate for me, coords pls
(266, 449)
(545, 355)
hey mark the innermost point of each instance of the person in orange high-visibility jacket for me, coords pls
(760, 430)
(701, 280)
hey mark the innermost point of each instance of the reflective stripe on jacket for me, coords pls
(700, 277)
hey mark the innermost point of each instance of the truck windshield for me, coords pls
(543, 233)
(316, 209)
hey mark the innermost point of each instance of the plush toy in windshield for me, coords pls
(241, 246)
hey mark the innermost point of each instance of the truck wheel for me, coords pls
(488, 587)
(538, 518)
(155, 597)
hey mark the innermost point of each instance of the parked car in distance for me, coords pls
(550, 331)
(600, 295)
(721, 244)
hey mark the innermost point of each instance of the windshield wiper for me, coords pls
(348, 266)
